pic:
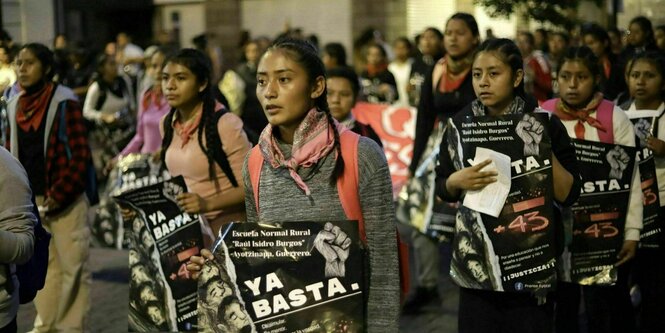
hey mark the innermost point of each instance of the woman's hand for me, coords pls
(110, 165)
(627, 252)
(657, 145)
(127, 214)
(196, 263)
(108, 118)
(471, 178)
(192, 203)
(157, 155)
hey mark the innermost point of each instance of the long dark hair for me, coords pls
(337, 52)
(118, 87)
(506, 50)
(647, 28)
(469, 20)
(600, 34)
(655, 58)
(584, 55)
(199, 65)
(45, 56)
(306, 56)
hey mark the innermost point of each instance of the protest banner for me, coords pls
(599, 215)
(644, 124)
(514, 251)
(396, 126)
(130, 172)
(163, 238)
(293, 277)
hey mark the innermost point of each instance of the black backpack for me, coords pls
(32, 274)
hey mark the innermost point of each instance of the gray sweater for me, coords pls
(281, 199)
(16, 229)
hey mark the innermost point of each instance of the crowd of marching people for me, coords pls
(286, 116)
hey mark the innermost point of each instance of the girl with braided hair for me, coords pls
(302, 157)
(202, 141)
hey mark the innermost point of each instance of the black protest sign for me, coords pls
(599, 215)
(514, 251)
(645, 123)
(167, 238)
(295, 277)
(130, 172)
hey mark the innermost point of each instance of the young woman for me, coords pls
(36, 117)
(292, 90)
(598, 40)
(400, 67)
(334, 55)
(343, 89)
(379, 85)
(446, 91)
(581, 108)
(109, 105)
(202, 141)
(152, 108)
(239, 86)
(640, 39)
(646, 82)
(430, 49)
(498, 74)
(538, 72)
(659, 34)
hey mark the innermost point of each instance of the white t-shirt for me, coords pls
(112, 104)
(401, 72)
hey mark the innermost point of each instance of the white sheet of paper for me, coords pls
(491, 198)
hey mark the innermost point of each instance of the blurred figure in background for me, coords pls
(343, 89)
(109, 107)
(400, 67)
(598, 40)
(542, 40)
(239, 87)
(659, 34)
(430, 47)
(129, 56)
(639, 40)
(616, 40)
(7, 72)
(378, 84)
(537, 71)
(334, 55)
(557, 42)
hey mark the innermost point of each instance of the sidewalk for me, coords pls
(109, 295)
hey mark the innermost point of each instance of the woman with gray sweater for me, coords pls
(302, 153)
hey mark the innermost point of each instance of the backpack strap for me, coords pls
(347, 184)
(549, 104)
(218, 154)
(254, 166)
(605, 114)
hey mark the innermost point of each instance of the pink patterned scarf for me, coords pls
(314, 139)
